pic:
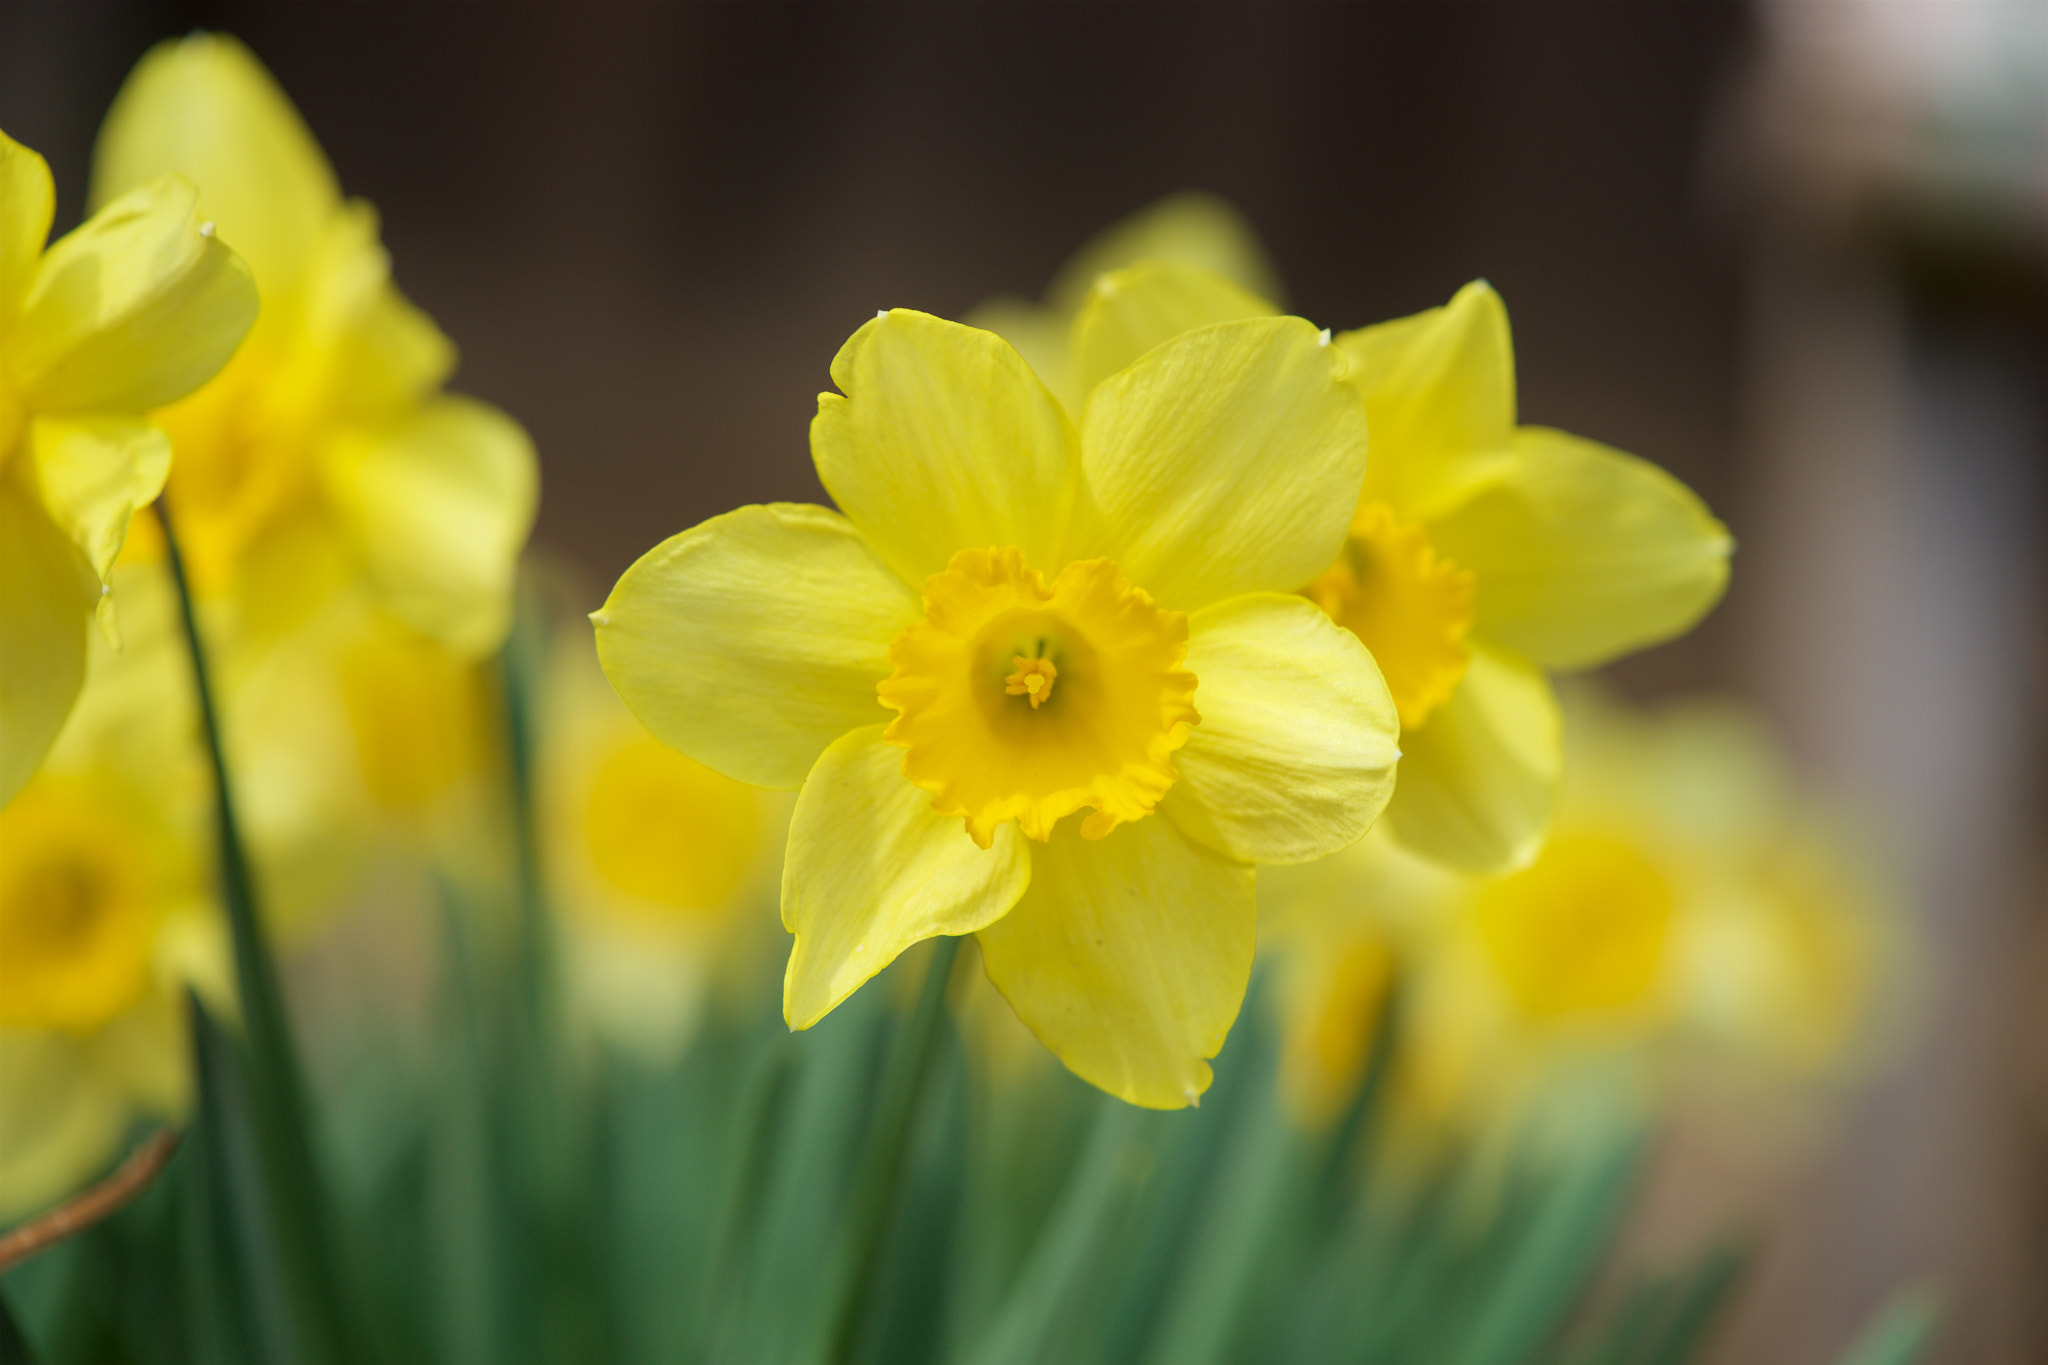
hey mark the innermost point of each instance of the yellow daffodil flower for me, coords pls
(1481, 553)
(104, 917)
(1203, 716)
(136, 308)
(650, 856)
(327, 452)
(1689, 916)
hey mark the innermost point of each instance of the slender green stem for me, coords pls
(851, 1287)
(277, 1092)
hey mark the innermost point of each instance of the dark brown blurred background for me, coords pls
(1793, 252)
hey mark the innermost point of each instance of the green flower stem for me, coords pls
(850, 1290)
(277, 1089)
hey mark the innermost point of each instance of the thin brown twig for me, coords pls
(82, 1210)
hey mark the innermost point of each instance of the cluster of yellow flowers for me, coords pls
(1125, 595)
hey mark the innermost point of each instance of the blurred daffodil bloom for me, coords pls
(1481, 553)
(1139, 563)
(104, 915)
(1689, 915)
(326, 453)
(651, 858)
(136, 308)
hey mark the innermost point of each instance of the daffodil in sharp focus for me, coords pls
(136, 308)
(327, 454)
(1481, 554)
(1193, 716)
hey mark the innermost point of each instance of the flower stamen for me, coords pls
(1034, 679)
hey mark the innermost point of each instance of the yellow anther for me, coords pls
(1033, 679)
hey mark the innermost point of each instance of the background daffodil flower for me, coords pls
(105, 919)
(136, 308)
(1147, 553)
(327, 452)
(1690, 918)
(651, 859)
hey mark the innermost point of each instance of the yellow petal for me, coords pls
(872, 869)
(1479, 781)
(439, 509)
(379, 353)
(46, 597)
(1130, 311)
(1039, 334)
(93, 473)
(1584, 553)
(1226, 461)
(61, 1122)
(205, 108)
(1128, 957)
(136, 308)
(1440, 393)
(1295, 754)
(756, 639)
(1194, 229)
(944, 440)
(27, 201)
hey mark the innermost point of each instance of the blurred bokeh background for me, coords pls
(1795, 252)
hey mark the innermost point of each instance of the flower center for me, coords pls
(1034, 679)
(982, 724)
(669, 832)
(1410, 605)
(75, 927)
(1581, 930)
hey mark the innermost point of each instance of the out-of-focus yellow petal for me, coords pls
(1226, 461)
(1478, 782)
(756, 639)
(93, 473)
(1584, 553)
(205, 108)
(1194, 229)
(139, 306)
(1440, 392)
(440, 508)
(872, 869)
(27, 201)
(378, 353)
(46, 597)
(1295, 754)
(60, 1122)
(1128, 957)
(944, 440)
(1130, 311)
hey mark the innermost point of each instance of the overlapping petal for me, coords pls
(1192, 229)
(1128, 956)
(754, 640)
(1130, 311)
(46, 598)
(138, 307)
(1439, 390)
(28, 199)
(204, 107)
(1585, 553)
(1295, 754)
(92, 474)
(440, 508)
(873, 869)
(941, 439)
(1225, 461)
(1478, 783)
